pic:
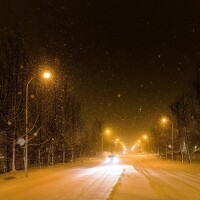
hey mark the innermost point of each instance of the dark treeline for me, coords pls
(57, 132)
(184, 114)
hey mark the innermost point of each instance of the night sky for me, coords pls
(128, 59)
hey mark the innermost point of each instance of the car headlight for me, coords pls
(116, 160)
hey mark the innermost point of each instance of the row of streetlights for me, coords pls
(144, 137)
(164, 120)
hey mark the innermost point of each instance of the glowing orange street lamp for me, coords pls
(46, 75)
(164, 120)
(145, 137)
(107, 131)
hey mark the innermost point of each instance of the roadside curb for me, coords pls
(117, 184)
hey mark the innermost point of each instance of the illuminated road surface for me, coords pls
(157, 179)
(86, 183)
(136, 177)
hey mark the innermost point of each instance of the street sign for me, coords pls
(21, 141)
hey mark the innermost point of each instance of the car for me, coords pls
(113, 159)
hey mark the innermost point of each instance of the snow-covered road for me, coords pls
(152, 178)
(136, 177)
(86, 182)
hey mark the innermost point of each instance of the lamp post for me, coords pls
(27, 129)
(102, 141)
(46, 75)
(145, 137)
(164, 120)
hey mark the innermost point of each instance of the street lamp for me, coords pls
(108, 133)
(164, 120)
(46, 75)
(145, 137)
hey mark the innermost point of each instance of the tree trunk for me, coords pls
(52, 157)
(188, 151)
(189, 157)
(64, 153)
(14, 156)
(72, 154)
(182, 158)
(48, 157)
(39, 157)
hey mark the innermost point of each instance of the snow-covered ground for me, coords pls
(151, 178)
(135, 177)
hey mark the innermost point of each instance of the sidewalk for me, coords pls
(36, 172)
